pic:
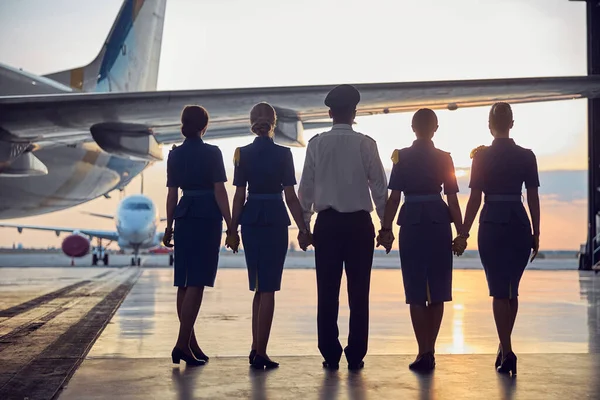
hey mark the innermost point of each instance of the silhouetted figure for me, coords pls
(505, 234)
(197, 168)
(425, 237)
(266, 169)
(341, 166)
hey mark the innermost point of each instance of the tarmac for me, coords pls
(99, 333)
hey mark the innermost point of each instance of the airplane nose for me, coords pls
(137, 231)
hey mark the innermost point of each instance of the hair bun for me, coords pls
(261, 127)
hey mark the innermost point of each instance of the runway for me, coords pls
(53, 318)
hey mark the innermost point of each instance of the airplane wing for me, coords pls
(109, 235)
(98, 215)
(115, 120)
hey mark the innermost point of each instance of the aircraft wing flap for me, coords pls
(53, 118)
(101, 234)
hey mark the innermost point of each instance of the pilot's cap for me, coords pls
(343, 97)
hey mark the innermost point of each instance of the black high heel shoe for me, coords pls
(251, 356)
(177, 355)
(261, 362)
(201, 356)
(423, 363)
(509, 364)
(498, 357)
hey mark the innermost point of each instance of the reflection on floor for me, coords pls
(559, 313)
(557, 339)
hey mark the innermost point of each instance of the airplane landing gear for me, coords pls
(95, 259)
(105, 259)
(171, 259)
(136, 261)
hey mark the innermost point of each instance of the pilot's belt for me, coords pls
(502, 198)
(264, 196)
(198, 193)
(420, 198)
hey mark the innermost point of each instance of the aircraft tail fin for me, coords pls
(128, 60)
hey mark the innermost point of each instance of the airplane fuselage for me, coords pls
(76, 174)
(136, 222)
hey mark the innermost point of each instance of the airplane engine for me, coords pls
(76, 246)
(289, 130)
(127, 140)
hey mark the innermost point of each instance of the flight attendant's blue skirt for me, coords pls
(197, 245)
(504, 250)
(426, 262)
(265, 248)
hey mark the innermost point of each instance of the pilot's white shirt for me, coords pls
(341, 166)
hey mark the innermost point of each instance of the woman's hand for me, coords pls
(305, 239)
(168, 237)
(232, 241)
(459, 245)
(385, 238)
(535, 246)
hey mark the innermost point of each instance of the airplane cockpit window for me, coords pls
(137, 206)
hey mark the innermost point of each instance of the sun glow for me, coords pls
(460, 173)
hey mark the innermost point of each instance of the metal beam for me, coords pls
(593, 56)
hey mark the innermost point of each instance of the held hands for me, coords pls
(385, 238)
(168, 236)
(459, 245)
(535, 246)
(232, 241)
(305, 239)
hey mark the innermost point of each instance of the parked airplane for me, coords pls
(72, 136)
(136, 224)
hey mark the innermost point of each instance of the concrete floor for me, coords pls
(557, 339)
(543, 377)
(556, 315)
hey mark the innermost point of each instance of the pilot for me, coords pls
(505, 238)
(196, 168)
(425, 237)
(341, 166)
(266, 169)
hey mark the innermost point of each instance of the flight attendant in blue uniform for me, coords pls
(425, 237)
(266, 169)
(505, 237)
(196, 168)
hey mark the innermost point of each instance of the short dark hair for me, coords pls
(424, 122)
(343, 113)
(501, 116)
(194, 119)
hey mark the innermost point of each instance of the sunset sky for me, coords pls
(235, 43)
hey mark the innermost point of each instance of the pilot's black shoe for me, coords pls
(331, 365)
(356, 366)
(261, 362)
(423, 363)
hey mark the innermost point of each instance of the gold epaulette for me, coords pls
(476, 149)
(236, 157)
(396, 156)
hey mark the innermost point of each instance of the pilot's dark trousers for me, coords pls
(343, 239)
